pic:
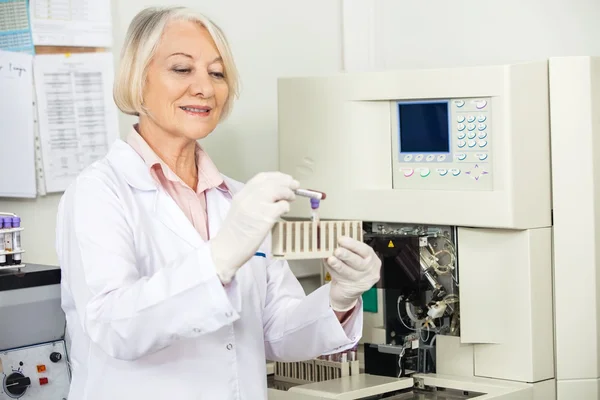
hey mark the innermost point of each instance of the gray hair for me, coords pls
(141, 41)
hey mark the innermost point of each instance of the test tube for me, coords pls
(7, 221)
(314, 205)
(16, 239)
(2, 247)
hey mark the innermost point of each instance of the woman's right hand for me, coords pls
(254, 211)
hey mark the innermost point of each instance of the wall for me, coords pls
(269, 38)
(387, 34)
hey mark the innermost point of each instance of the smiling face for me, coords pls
(185, 89)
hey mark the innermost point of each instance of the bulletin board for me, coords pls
(56, 75)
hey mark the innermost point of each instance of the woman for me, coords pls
(168, 286)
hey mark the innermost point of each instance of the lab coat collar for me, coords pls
(131, 166)
(124, 159)
(129, 163)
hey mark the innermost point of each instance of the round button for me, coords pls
(408, 172)
(229, 346)
(471, 119)
(430, 157)
(483, 156)
(460, 119)
(461, 143)
(482, 143)
(460, 127)
(472, 143)
(461, 156)
(408, 157)
(425, 172)
(419, 157)
(442, 171)
(455, 171)
(481, 118)
(482, 127)
(459, 103)
(441, 157)
(461, 135)
(480, 104)
(472, 135)
(55, 357)
(228, 314)
(482, 135)
(471, 127)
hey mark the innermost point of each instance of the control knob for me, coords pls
(55, 357)
(16, 384)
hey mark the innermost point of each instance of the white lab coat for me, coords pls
(147, 315)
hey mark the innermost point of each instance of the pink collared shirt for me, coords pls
(192, 203)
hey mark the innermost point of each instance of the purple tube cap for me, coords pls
(16, 222)
(314, 203)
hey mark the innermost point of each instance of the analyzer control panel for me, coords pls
(37, 372)
(442, 144)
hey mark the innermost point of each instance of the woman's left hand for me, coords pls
(354, 269)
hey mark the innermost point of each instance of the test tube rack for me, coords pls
(316, 370)
(12, 252)
(302, 240)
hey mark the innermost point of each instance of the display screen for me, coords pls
(424, 127)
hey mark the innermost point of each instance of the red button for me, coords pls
(43, 381)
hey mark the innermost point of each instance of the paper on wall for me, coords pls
(71, 23)
(77, 116)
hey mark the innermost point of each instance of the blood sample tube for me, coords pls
(7, 221)
(16, 239)
(2, 247)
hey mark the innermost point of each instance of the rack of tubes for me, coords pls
(320, 369)
(311, 239)
(11, 251)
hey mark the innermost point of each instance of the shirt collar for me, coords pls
(208, 174)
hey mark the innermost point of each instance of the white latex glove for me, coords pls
(354, 269)
(254, 211)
